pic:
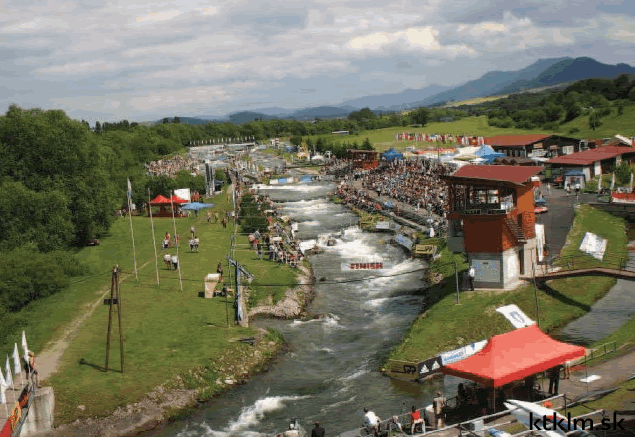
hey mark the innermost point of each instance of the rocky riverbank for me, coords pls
(294, 303)
(182, 394)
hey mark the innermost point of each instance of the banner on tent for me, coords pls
(429, 367)
(515, 316)
(462, 353)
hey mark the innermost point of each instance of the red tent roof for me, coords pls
(176, 199)
(512, 356)
(590, 156)
(507, 173)
(515, 140)
(160, 200)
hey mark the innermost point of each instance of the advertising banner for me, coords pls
(364, 265)
(515, 316)
(462, 352)
(428, 367)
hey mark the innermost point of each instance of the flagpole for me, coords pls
(178, 264)
(154, 241)
(134, 253)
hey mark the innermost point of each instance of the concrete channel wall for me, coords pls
(40, 417)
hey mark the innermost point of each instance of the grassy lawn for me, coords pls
(383, 139)
(447, 326)
(166, 332)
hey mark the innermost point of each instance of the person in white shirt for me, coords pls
(371, 421)
(175, 262)
(471, 276)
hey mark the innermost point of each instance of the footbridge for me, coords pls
(620, 267)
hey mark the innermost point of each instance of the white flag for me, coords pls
(7, 369)
(2, 381)
(612, 181)
(17, 368)
(24, 346)
(3, 397)
(630, 185)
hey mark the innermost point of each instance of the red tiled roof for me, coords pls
(507, 173)
(590, 156)
(515, 140)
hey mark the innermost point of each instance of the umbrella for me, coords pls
(197, 206)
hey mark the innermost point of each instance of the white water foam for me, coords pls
(249, 416)
(337, 404)
(304, 188)
(311, 223)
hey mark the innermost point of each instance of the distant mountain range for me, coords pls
(542, 73)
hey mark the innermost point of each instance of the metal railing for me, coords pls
(578, 262)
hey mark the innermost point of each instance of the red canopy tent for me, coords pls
(176, 199)
(513, 356)
(160, 200)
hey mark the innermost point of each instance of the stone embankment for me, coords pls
(294, 302)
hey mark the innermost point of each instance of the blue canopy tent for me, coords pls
(484, 150)
(573, 177)
(492, 156)
(197, 206)
(389, 204)
(391, 154)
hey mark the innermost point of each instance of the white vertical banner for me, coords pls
(25, 347)
(515, 316)
(17, 367)
(7, 369)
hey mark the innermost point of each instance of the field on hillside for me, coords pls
(383, 139)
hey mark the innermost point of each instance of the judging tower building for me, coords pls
(492, 219)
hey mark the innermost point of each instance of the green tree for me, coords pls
(176, 120)
(166, 120)
(366, 145)
(420, 116)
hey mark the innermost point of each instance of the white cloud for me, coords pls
(159, 16)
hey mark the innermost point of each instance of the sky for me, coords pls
(127, 59)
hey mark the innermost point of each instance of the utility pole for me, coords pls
(533, 273)
(115, 299)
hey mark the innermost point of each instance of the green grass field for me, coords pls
(447, 326)
(383, 139)
(166, 332)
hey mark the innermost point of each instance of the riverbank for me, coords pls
(444, 325)
(183, 393)
(174, 340)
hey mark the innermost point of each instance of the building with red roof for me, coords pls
(492, 220)
(594, 162)
(533, 145)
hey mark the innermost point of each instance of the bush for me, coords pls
(574, 130)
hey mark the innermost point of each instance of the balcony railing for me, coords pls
(482, 209)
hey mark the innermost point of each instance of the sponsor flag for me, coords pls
(17, 368)
(129, 192)
(7, 369)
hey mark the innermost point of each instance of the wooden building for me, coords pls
(364, 159)
(534, 145)
(492, 220)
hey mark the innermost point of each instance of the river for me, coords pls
(331, 371)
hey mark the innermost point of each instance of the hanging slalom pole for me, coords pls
(178, 264)
(154, 241)
(134, 253)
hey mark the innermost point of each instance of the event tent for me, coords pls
(160, 200)
(514, 356)
(176, 199)
(391, 154)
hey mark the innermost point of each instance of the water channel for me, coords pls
(332, 368)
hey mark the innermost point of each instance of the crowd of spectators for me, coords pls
(414, 182)
(171, 166)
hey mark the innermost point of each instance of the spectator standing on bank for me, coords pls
(439, 410)
(471, 275)
(318, 431)
(219, 270)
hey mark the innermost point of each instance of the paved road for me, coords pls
(559, 219)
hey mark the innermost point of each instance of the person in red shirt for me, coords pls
(415, 418)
